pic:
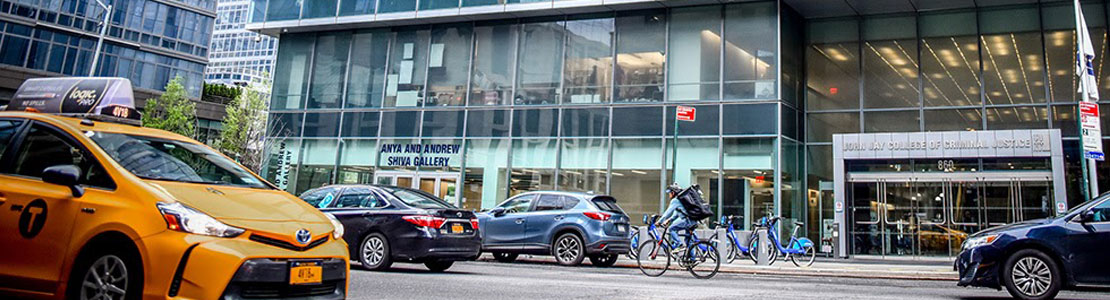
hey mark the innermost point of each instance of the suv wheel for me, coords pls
(505, 257)
(568, 250)
(106, 274)
(603, 260)
(374, 253)
(1031, 274)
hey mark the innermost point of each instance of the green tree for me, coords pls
(244, 127)
(173, 111)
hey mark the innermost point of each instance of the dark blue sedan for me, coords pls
(569, 226)
(1036, 259)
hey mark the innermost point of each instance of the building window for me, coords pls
(1013, 68)
(448, 65)
(291, 85)
(408, 66)
(751, 39)
(540, 64)
(890, 62)
(832, 65)
(583, 165)
(365, 86)
(950, 59)
(329, 70)
(589, 61)
(495, 50)
(533, 163)
(641, 43)
(695, 54)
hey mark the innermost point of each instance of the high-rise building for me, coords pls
(886, 127)
(238, 56)
(148, 41)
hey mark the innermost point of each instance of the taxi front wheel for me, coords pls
(105, 274)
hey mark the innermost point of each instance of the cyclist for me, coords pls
(674, 218)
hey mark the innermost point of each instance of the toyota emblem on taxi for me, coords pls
(303, 236)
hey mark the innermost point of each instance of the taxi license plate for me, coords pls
(305, 272)
(456, 228)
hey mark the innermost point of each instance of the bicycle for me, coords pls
(734, 247)
(634, 240)
(697, 253)
(797, 248)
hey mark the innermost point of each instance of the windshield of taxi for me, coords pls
(169, 160)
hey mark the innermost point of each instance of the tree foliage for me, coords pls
(244, 127)
(173, 111)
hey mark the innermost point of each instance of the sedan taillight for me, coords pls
(474, 223)
(600, 216)
(425, 221)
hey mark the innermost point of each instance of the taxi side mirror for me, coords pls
(65, 175)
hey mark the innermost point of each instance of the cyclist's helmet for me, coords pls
(673, 190)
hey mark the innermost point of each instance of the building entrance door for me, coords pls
(931, 214)
(442, 184)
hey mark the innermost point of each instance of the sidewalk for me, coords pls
(848, 268)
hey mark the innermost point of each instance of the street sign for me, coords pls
(685, 113)
(1091, 130)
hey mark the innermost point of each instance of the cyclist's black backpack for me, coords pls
(696, 209)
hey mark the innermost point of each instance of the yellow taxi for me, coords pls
(95, 209)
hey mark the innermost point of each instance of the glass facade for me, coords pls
(586, 102)
(560, 103)
(149, 42)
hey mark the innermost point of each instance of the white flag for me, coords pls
(1088, 85)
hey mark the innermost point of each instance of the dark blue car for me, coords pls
(1036, 259)
(569, 226)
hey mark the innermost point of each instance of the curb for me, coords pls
(813, 272)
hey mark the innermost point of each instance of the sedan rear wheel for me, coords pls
(374, 253)
(1031, 274)
(568, 250)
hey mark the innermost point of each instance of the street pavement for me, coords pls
(539, 280)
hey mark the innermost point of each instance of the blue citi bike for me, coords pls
(733, 248)
(635, 236)
(799, 250)
(699, 257)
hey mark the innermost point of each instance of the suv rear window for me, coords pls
(607, 204)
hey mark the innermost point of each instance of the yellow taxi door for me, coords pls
(37, 218)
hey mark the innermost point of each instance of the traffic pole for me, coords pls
(674, 150)
(1082, 152)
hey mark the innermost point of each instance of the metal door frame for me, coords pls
(946, 180)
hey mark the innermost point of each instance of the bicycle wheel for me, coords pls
(652, 258)
(753, 251)
(702, 260)
(805, 259)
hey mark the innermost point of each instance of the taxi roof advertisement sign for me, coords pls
(108, 96)
(73, 95)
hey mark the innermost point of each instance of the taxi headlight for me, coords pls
(980, 241)
(186, 219)
(338, 232)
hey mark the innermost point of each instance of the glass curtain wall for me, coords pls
(588, 65)
(540, 63)
(695, 54)
(408, 66)
(641, 45)
(486, 173)
(637, 177)
(366, 83)
(356, 162)
(448, 65)
(533, 165)
(495, 49)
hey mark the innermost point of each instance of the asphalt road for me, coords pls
(492, 280)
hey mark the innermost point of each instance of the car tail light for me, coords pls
(600, 216)
(474, 223)
(425, 221)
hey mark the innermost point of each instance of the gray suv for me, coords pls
(569, 226)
